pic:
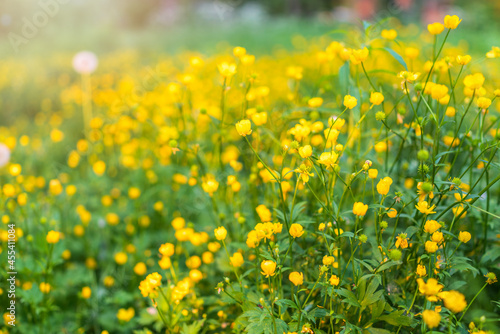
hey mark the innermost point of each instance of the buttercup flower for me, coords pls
(483, 102)
(424, 208)
(384, 185)
(358, 56)
(431, 318)
(315, 102)
(244, 127)
(227, 70)
(305, 151)
(431, 246)
(451, 22)
(334, 280)
(463, 60)
(350, 101)
(431, 226)
(430, 289)
(296, 230)
(389, 34)
(268, 268)
(359, 209)
(237, 259)
(376, 98)
(150, 284)
(296, 278)
(453, 300)
(435, 28)
(464, 236)
(220, 233)
(53, 237)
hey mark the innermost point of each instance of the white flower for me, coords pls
(85, 62)
(4, 155)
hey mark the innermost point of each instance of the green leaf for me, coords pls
(344, 73)
(396, 319)
(376, 331)
(350, 298)
(193, 328)
(491, 255)
(388, 265)
(397, 57)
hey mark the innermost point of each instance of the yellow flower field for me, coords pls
(351, 187)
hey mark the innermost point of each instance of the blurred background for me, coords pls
(44, 27)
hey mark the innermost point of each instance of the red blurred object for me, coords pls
(365, 9)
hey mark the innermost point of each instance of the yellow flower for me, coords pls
(412, 53)
(210, 184)
(464, 236)
(494, 53)
(227, 70)
(45, 287)
(430, 289)
(125, 315)
(121, 258)
(401, 241)
(463, 60)
(474, 81)
(491, 278)
(268, 268)
(328, 260)
(450, 112)
(264, 213)
(408, 76)
(55, 187)
(328, 158)
(389, 34)
(392, 213)
(437, 237)
(424, 208)
(421, 271)
(439, 91)
(359, 209)
(435, 28)
(237, 260)
(244, 127)
(53, 237)
(315, 102)
(296, 278)
(178, 223)
(358, 56)
(431, 318)
(376, 98)
(350, 101)
(431, 246)
(99, 167)
(239, 51)
(305, 151)
(296, 230)
(372, 173)
(149, 284)
(334, 280)
(483, 102)
(453, 300)
(140, 268)
(167, 249)
(451, 22)
(259, 118)
(220, 233)
(86, 292)
(384, 185)
(134, 193)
